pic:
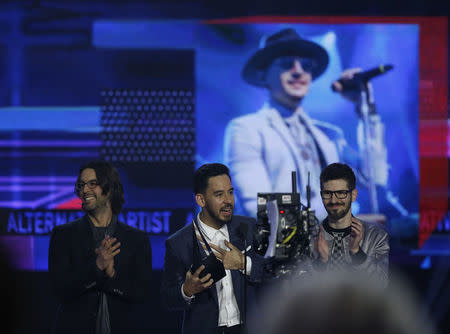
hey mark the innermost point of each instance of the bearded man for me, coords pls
(345, 242)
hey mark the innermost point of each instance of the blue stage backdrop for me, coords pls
(134, 108)
(155, 98)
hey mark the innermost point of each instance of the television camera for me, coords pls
(284, 231)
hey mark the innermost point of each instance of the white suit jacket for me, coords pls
(261, 154)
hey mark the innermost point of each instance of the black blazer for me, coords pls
(77, 281)
(202, 315)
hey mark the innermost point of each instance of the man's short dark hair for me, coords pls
(338, 171)
(109, 180)
(206, 171)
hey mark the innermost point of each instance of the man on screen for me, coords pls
(212, 306)
(263, 148)
(99, 266)
(346, 243)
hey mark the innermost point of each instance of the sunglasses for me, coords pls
(286, 63)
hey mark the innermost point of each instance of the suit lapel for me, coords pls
(325, 147)
(201, 252)
(235, 237)
(120, 234)
(236, 275)
(278, 124)
(86, 238)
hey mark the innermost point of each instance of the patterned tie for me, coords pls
(308, 153)
(337, 254)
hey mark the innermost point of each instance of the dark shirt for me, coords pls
(357, 258)
(103, 324)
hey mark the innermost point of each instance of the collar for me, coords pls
(210, 232)
(110, 227)
(284, 112)
(99, 233)
(331, 230)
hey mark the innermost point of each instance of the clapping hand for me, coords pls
(108, 249)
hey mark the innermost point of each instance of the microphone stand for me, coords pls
(364, 109)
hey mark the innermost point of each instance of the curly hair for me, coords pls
(338, 171)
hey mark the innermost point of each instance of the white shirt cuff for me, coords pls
(186, 298)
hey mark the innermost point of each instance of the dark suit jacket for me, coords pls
(202, 314)
(77, 281)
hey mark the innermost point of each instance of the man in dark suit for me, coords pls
(212, 306)
(99, 266)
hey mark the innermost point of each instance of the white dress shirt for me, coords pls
(228, 309)
(307, 150)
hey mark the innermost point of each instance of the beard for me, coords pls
(339, 211)
(217, 217)
(89, 208)
(95, 205)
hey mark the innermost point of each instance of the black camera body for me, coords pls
(283, 231)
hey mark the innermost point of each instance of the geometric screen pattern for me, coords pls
(148, 126)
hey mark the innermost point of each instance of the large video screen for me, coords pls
(241, 124)
(161, 98)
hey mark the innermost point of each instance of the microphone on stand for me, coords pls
(365, 107)
(359, 78)
(308, 192)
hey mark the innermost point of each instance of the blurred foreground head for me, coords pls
(343, 303)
